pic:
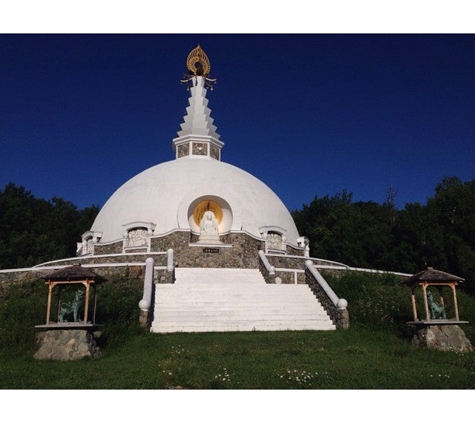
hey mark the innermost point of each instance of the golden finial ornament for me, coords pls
(198, 62)
(198, 65)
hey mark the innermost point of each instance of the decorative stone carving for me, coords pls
(137, 237)
(183, 150)
(214, 152)
(274, 241)
(200, 148)
(89, 246)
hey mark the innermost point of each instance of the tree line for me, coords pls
(439, 234)
(34, 230)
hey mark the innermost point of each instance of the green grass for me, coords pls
(353, 359)
(375, 353)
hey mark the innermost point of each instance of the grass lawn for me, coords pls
(357, 358)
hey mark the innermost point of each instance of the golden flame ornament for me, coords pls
(198, 65)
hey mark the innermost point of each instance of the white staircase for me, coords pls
(229, 299)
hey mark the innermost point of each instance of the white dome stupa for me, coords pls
(175, 195)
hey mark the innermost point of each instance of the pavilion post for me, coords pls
(48, 308)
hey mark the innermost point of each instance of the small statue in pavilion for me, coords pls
(435, 308)
(72, 308)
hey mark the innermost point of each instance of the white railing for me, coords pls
(339, 303)
(335, 307)
(270, 268)
(146, 301)
(89, 257)
(170, 263)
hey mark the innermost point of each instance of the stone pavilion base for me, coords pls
(66, 344)
(442, 337)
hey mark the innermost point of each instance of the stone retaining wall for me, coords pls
(20, 276)
(110, 249)
(177, 241)
(340, 317)
(238, 250)
(109, 272)
(269, 279)
(293, 262)
(288, 277)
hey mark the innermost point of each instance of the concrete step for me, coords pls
(230, 316)
(207, 299)
(224, 295)
(242, 326)
(218, 275)
(252, 307)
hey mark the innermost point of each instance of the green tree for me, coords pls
(355, 233)
(34, 230)
(440, 234)
(454, 206)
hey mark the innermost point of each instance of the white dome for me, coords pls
(167, 194)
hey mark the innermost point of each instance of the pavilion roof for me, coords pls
(432, 275)
(73, 272)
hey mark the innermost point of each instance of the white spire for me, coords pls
(198, 120)
(198, 136)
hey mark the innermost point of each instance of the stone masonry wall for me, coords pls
(269, 279)
(242, 254)
(442, 337)
(238, 250)
(283, 261)
(177, 241)
(290, 250)
(109, 249)
(108, 272)
(66, 345)
(20, 276)
(160, 260)
(287, 277)
(294, 262)
(340, 317)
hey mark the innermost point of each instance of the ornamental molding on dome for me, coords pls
(195, 145)
(231, 217)
(139, 224)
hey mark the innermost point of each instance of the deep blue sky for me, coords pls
(309, 115)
